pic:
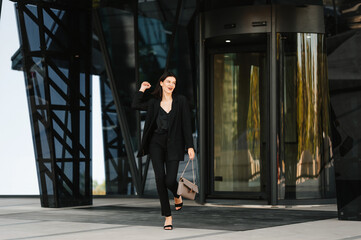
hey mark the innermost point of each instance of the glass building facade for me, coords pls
(273, 88)
(342, 20)
(56, 63)
(305, 136)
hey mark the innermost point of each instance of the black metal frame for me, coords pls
(274, 113)
(66, 190)
(201, 115)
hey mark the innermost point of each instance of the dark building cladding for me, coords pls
(274, 88)
(56, 49)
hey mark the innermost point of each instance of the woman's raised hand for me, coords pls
(144, 86)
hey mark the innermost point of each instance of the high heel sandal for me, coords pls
(178, 205)
(168, 227)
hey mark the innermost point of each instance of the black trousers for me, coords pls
(165, 176)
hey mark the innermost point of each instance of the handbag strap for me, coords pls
(192, 170)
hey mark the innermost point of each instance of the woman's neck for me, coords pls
(166, 97)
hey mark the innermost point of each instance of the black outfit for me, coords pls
(179, 125)
(165, 138)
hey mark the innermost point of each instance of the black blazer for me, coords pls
(179, 128)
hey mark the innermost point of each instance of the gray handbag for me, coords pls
(186, 188)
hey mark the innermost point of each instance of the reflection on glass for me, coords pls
(345, 94)
(117, 169)
(237, 122)
(305, 139)
(118, 30)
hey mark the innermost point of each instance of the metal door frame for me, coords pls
(210, 51)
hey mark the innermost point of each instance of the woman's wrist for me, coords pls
(141, 90)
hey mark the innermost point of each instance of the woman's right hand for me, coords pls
(144, 86)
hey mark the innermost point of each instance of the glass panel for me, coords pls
(82, 179)
(67, 169)
(32, 29)
(54, 28)
(153, 45)
(237, 121)
(58, 146)
(45, 148)
(343, 48)
(57, 80)
(117, 168)
(118, 26)
(56, 98)
(49, 185)
(120, 45)
(37, 79)
(82, 87)
(305, 140)
(82, 129)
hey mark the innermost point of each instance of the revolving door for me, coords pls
(267, 104)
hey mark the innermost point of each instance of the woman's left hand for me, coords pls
(191, 153)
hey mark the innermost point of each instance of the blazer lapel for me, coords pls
(174, 111)
(156, 109)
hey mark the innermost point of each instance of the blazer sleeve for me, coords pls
(138, 102)
(187, 124)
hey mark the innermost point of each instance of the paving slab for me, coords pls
(139, 218)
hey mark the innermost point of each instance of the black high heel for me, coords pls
(170, 227)
(178, 205)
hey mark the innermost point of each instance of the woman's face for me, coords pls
(168, 85)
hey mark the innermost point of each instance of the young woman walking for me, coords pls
(167, 133)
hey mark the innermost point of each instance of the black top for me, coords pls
(162, 121)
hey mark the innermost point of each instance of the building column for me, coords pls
(56, 60)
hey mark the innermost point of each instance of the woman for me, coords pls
(167, 133)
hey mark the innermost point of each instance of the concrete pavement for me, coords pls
(138, 218)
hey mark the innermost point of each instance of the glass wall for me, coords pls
(155, 29)
(343, 30)
(118, 31)
(304, 166)
(237, 121)
(117, 169)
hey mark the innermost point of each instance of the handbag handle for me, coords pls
(192, 170)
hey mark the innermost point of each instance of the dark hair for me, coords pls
(158, 91)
